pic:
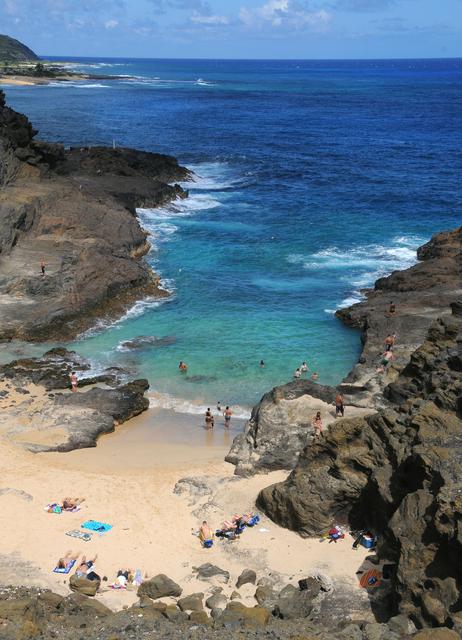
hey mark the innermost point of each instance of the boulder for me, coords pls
(248, 576)
(89, 605)
(83, 585)
(194, 602)
(235, 595)
(217, 601)
(174, 614)
(159, 587)
(236, 613)
(293, 603)
(207, 571)
(20, 610)
(200, 617)
(437, 634)
(266, 596)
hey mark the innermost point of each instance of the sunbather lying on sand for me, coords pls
(72, 503)
(67, 559)
(86, 569)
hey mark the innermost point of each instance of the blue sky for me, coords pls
(237, 28)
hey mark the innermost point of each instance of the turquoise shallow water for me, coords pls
(313, 179)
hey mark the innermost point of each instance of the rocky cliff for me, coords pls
(398, 473)
(75, 210)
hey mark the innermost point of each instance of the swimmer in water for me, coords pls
(315, 376)
(297, 373)
(183, 367)
(304, 367)
(262, 364)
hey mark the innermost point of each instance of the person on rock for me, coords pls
(387, 357)
(317, 424)
(74, 381)
(339, 405)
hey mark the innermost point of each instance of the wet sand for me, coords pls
(156, 439)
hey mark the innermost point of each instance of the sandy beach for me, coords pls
(128, 481)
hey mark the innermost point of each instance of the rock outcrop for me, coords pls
(63, 421)
(75, 210)
(398, 473)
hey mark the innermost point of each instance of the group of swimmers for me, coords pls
(210, 420)
(304, 368)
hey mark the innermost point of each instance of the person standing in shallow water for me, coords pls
(228, 413)
(297, 373)
(183, 367)
(304, 367)
(209, 421)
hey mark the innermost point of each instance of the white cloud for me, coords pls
(285, 13)
(111, 24)
(209, 20)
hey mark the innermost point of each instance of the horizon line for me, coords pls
(45, 58)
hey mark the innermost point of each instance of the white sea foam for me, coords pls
(362, 265)
(212, 176)
(180, 405)
(78, 85)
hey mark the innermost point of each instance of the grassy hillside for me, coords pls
(12, 50)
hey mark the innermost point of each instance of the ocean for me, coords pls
(313, 178)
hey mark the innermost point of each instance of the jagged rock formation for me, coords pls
(74, 210)
(64, 421)
(397, 472)
(12, 50)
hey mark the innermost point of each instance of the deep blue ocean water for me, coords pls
(313, 179)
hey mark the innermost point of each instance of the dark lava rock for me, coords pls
(92, 243)
(248, 576)
(217, 601)
(200, 617)
(293, 603)
(83, 585)
(237, 613)
(159, 587)
(141, 342)
(194, 602)
(207, 570)
(265, 445)
(396, 472)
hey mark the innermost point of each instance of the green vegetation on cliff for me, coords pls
(12, 50)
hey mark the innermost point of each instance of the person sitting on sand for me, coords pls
(69, 504)
(205, 533)
(66, 560)
(315, 376)
(183, 367)
(317, 424)
(74, 381)
(124, 577)
(209, 420)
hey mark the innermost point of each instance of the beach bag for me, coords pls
(207, 544)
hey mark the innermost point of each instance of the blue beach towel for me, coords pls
(65, 569)
(94, 525)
